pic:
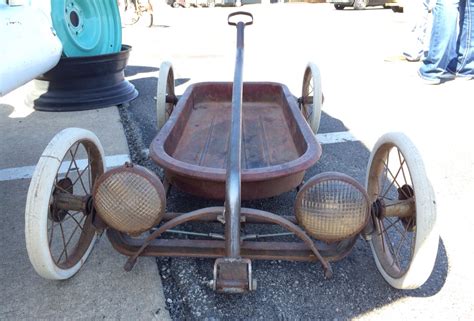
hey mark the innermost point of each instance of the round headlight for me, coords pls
(332, 207)
(130, 199)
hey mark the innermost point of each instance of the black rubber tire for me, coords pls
(82, 83)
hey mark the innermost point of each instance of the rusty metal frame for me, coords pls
(304, 250)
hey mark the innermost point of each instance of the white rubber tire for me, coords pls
(426, 235)
(37, 203)
(165, 87)
(312, 71)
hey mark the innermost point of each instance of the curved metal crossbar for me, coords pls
(212, 214)
(275, 219)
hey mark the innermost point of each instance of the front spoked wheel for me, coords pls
(58, 217)
(311, 99)
(405, 240)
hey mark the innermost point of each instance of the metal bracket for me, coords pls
(233, 275)
(221, 218)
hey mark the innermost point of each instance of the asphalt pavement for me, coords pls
(366, 96)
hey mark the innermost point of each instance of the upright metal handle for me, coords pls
(244, 18)
(233, 174)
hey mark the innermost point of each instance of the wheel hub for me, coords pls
(406, 192)
(64, 186)
(74, 22)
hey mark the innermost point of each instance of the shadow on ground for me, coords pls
(286, 290)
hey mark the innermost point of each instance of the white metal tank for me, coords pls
(28, 45)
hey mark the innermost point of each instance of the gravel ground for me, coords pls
(286, 290)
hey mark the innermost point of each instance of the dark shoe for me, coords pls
(412, 58)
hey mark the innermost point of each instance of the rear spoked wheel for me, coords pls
(311, 97)
(405, 240)
(58, 217)
(165, 97)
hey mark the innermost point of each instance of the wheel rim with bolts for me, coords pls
(87, 28)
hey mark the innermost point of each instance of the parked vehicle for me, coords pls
(202, 3)
(362, 4)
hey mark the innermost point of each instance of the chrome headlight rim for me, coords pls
(332, 176)
(142, 172)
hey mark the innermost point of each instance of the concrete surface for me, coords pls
(101, 289)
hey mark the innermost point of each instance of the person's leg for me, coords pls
(418, 13)
(442, 42)
(463, 65)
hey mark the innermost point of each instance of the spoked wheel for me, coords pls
(165, 97)
(147, 17)
(405, 240)
(311, 98)
(146, 14)
(58, 222)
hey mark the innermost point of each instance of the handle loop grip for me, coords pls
(245, 19)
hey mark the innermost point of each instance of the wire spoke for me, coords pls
(411, 222)
(64, 244)
(402, 241)
(390, 245)
(402, 232)
(80, 176)
(51, 229)
(394, 178)
(70, 215)
(400, 157)
(384, 176)
(72, 157)
(392, 224)
(74, 219)
(90, 168)
(69, 240)
(381, 234)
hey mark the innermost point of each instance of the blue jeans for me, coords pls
(451, 49)
(418, 13)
